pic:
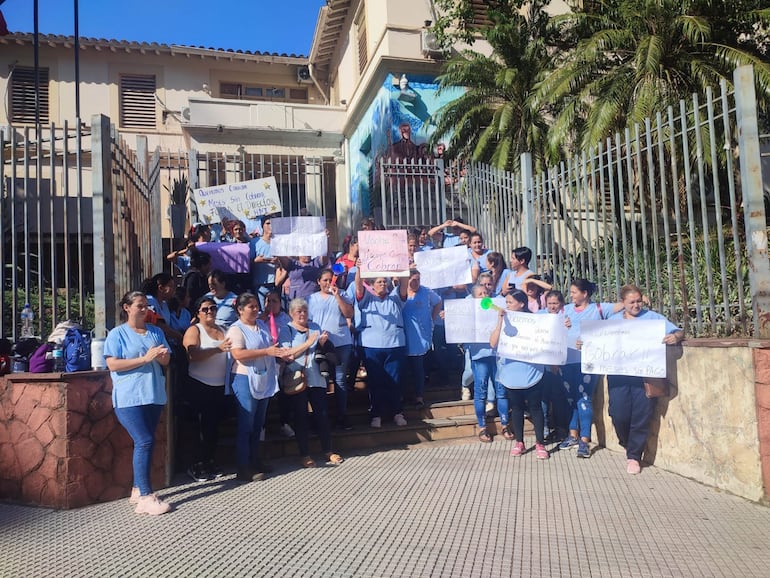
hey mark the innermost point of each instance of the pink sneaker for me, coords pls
(151, 505)
(541, 453)
(518, 449)
(633, 467)
(134, 498)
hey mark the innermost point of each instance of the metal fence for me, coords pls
(77, 212)
(674, 205)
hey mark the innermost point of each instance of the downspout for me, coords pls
(311, 70)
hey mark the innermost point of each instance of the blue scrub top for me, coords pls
(382, 323)
(418, 319)
(326, 313)
(144, 385)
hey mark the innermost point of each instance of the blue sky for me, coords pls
(256, 25)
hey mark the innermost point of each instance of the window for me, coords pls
(257, 92)
(137, 101)
(363, 53)
(23, 94)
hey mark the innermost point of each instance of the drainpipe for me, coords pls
(311, 70)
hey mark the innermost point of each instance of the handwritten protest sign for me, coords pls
(245, 201)
(227, 257)
(466, 322)
(444, 267)
(624, 347)
(383, 253)
(298, 237)
(533, 338)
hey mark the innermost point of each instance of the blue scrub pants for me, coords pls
(631, 411)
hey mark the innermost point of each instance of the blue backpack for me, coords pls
(77, 350)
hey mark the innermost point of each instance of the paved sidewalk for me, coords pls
(433, 510)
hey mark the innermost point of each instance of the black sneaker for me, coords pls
(214, 470)
(198, 472)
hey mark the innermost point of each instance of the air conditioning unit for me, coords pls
(185, 114)
(303, 75)
(429, 44)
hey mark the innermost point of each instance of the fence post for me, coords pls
(104, 249)
(529, 226)
(753, 201)
(192, 178)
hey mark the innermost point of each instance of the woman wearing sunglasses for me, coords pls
(207, 349)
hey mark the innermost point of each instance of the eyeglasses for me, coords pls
(212, 309)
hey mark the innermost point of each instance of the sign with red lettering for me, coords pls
(383, 253)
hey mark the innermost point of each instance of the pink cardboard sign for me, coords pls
(383, 253)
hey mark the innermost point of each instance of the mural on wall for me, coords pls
(396, 125)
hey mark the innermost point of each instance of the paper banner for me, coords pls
(227, 257)
(299, 237)
(245, 201)
(444, 267)
(624, 347)
(466, 322)
(533, 338)
(383, 253)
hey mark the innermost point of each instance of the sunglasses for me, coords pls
(211, 309)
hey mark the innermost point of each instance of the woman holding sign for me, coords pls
(383, 340)
(521, 381)
(580, 385)
(629, 406)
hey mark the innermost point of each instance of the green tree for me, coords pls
(627, 59)
(494, 120)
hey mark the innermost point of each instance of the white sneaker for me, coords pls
(466, 395)
(287, 431)
(399, 419)
(376, 422)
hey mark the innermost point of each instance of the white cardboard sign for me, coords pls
(624, 347)
(246, 200)
(466, 322)
(444, 267)
(298, 237)
(533, 338)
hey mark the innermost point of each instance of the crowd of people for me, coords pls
(237, 337)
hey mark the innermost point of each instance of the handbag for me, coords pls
(656, 387)
(294, 381)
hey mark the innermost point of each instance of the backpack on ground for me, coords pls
(77, 350)
(40, 361)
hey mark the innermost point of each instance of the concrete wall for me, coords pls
(715, 427)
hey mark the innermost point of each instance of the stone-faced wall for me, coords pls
(60, 443)
(715, 427)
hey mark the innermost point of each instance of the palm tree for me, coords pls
(631, 58)
(494, 121)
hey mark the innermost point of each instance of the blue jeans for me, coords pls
(581, 389)
(344, 352)
(250, 421)
(532, 397)
(631, 411)
(484, 369)
(383, 369)
(140, 422)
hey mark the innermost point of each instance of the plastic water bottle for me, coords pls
(58, 357)
(27, 321)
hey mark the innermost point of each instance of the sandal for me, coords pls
(507, 434)
(334, 459)
(484, 436)
(307, 462)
